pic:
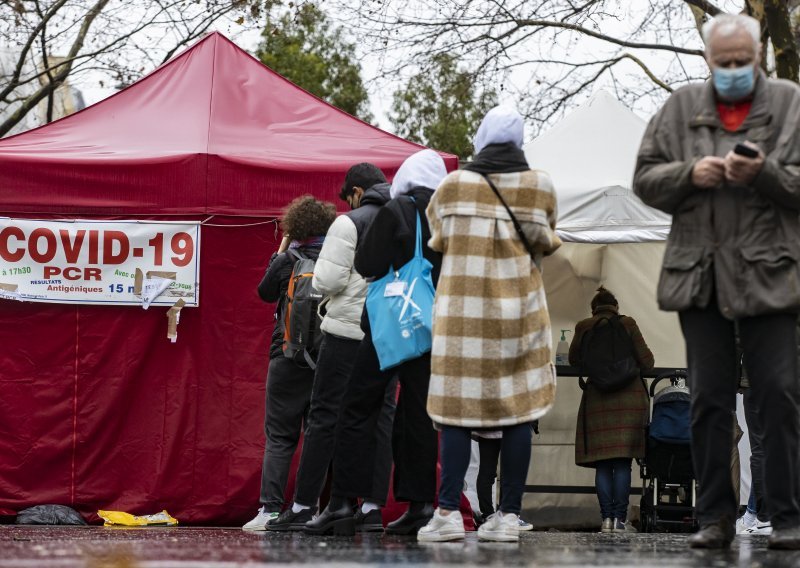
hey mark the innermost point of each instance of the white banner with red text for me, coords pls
(100, 261)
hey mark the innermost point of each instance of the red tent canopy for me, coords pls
(98, 410)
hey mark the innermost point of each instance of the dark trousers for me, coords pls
(334, 364)
(752, 416)
(489, 449)
(414, 441)
(769, 345)
(612, 481)
(515, 458)
(287, 403)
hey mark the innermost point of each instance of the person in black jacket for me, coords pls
(304, 224)
(389, 242)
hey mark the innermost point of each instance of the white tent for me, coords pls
(590, 156)
(610, 238)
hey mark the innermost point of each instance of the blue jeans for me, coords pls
(612, 480)
(515, 457)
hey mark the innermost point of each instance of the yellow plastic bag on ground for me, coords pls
(120, 519)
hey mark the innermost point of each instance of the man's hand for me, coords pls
(708, 172)
(742, 170)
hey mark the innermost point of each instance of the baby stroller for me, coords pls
(668, 484)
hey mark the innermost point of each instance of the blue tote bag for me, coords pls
(400, 310)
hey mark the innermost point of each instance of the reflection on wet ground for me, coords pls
(94, 547)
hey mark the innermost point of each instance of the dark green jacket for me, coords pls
(742, 240)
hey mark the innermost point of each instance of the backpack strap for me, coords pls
(296, 254)
(309, 360)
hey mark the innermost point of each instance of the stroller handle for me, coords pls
(673, 377)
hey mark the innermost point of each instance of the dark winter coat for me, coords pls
(390, 240)
(615, 421)
(273, 288)
(373, 199)
(740, 242)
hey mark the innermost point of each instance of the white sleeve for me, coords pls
(335, 262)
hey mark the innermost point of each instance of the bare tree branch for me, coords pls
(705, 6)
(62, 74)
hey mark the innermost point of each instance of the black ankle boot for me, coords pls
(339, 521)
(411, 521)
(714, 535)
(369, 522)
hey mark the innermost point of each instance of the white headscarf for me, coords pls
(423, 169)
(502, 124)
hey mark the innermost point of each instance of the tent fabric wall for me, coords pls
(571, 277)
(100, 411)
(611, 238)
(98, 408)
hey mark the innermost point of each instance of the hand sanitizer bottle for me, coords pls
(562, 351)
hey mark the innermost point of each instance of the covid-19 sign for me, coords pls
(99, 262)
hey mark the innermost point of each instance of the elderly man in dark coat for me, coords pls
(724, 159)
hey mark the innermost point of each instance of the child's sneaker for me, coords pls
(260, 521)
(500, 527)
(607, 526)
(442, 528)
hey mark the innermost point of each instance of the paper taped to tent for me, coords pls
(610, 238)
(99, 409)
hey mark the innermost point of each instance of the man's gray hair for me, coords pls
(728, 24)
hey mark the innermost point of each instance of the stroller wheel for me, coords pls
(646, 521)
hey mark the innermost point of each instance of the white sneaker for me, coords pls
(742, 524)
(760, 528)
(260, 521)
(525, 525)
(442, 528)
(626, 527)
(500, 527)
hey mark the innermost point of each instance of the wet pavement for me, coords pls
(95, 547)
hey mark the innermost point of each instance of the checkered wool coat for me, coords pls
(491, 357)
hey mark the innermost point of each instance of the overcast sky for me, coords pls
(381, 91)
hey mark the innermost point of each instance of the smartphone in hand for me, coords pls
(745, 150)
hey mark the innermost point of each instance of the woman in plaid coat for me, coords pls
(610, 430)
(490, 361)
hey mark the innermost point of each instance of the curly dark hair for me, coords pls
(307, 217)
(604, 297)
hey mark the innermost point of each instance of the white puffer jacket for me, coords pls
(335, 277)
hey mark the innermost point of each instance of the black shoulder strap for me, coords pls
(514, 221)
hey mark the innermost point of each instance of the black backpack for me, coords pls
(607, 356)
(302, 335)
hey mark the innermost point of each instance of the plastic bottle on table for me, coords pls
(562, 350)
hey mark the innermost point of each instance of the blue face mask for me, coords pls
(734, 84)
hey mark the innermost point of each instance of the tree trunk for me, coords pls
(787, 60)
